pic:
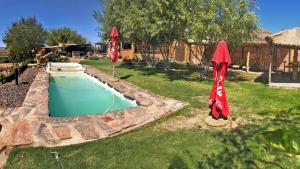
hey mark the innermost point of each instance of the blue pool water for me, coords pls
(76, 94)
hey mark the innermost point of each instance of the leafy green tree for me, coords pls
(169, 26)
(235, 21)
(149, 24)
(211, 21)
(24, 37)
(64, 35)
(156, 24)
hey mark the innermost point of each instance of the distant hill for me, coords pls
(4, 51)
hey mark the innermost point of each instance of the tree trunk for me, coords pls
(16, 75)
(165, 55)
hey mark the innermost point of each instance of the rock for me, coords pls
(62, 132)
(44, 133)
(24, 111)
(128, 122)
(137, 112)
(4, 154)
(142, 119)
(6, 133)
(161, 104)
(7, 111)
(15, 117)
(87, 131)
(29, 104)
(129, 95)
(216, 123)
(31, 93)
(107, 129)
(23, 133)
(117, 114)
(119, 88)
(144, 102)
(106, 118)
(178, 105)
(114, 79)
(12, 95)
(42, 109)
(103, 126)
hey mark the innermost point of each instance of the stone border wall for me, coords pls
(31, 125)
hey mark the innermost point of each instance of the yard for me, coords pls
(267, 135)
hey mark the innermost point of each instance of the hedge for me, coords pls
(8, 76)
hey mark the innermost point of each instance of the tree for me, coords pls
(64, 35)
(24, 37)
(150, 24)
(158, 23)
(211, 21)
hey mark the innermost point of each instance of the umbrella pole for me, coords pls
(114, 69)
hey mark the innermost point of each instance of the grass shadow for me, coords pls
(187, 72)
(125, 77)
(177, 163)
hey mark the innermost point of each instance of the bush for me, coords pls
(4, 59)
(57, 58)
(93, 58)
(54, 58)
(8, 76)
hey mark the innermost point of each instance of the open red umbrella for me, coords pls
(218, 102)
(114, 51)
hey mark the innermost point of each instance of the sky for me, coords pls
(76, 14)
(274, 15)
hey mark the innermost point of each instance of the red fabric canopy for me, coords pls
(218, 102)
(221, 54)
(114, 32)
(114, 51)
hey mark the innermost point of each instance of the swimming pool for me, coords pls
(77, 94)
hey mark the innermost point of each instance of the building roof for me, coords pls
(4, 51)
(260, 36)
(288, 37)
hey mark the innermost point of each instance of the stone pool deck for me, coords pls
(30, 124)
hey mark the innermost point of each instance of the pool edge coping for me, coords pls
(35, 128)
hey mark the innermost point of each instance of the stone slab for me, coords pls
(6, 111)
(23, 133)
(62, 132)
(44, 133)
(87, 131)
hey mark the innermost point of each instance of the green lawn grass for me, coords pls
(152, 147)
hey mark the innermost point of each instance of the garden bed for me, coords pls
(12, 95)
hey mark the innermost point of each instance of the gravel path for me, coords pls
(12, 95)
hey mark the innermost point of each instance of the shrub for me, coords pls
(93, 58)
(54, 58)
(7, 76)
(4, 59)
(57, 58)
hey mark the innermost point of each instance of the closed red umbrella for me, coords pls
(114, 51)
(218, 102)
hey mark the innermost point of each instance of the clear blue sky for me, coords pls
(76, 14)
(274, 15)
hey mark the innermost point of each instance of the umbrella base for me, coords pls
(114, 79)
(215, 123)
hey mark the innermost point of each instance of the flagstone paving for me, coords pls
(30, 124)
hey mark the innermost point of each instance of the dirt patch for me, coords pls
(12, 95)
(197, 119)
(183, 122)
